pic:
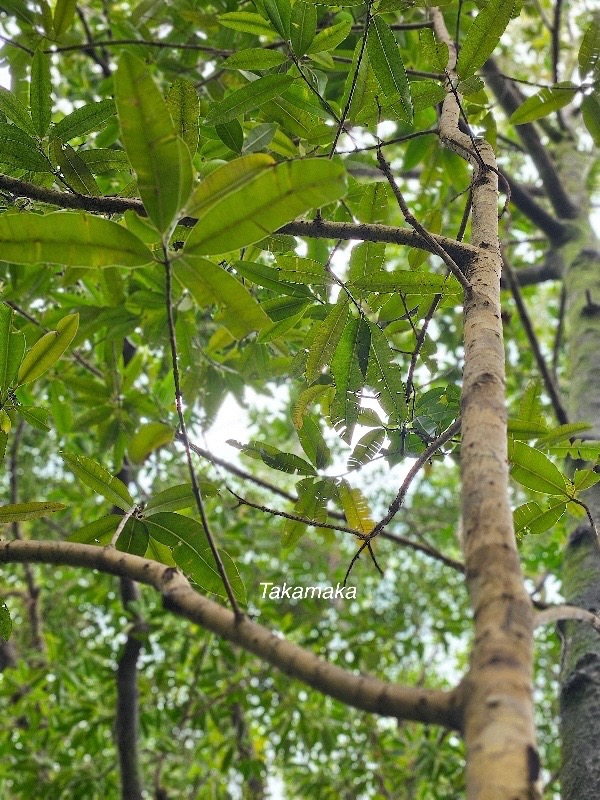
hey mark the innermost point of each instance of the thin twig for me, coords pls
(426, 456)
(556, 39)
(403, 541)
(340, 127)
(560, 329)
(186, 443)
(399, 499)
(546, 375)
(417, 227)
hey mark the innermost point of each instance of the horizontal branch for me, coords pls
(360, 691)
(559, 613)
(462, 253)
(316, 229)
(555, 230)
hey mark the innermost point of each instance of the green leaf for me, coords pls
(384, 376)
(133, 538)
(543, 103)
(184, 106)
(295, 269)
(269, 277)
(74, 170)
(329, 38)
(187, 540)
(523, 429)
(303, 27)
(384, 55)
(313, 443)
(12, 348)
(18, 149)
(251, 96)
(159, 158)
(305, 399)
(483, 36)
(231, 134)
(100, 480)
(274, 458)
(175, 498)
(348, 378)
(312, 504)
(327, 338)
(105, 160)
(148, 438)
(590, 111)
(435, 53)
(589, 52)
(209, 283)
(530, 407)
(39, 93)
(18, 512)
(247, 22)
(367, 448)
(254, 58)
(426, 94)
(36, 417)
(13, 108)
(225, 180)
(71, 238)
(356, 508)
(5, 621)
(269, 200)
(100, 531)
(88, 118)
(47, 350)
(64, 13)
(533, 469)
(561, 432)
(408, 283)
(279, 13)
(584, 479)
(531, 518)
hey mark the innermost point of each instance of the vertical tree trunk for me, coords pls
(502, 761)
(580, 669)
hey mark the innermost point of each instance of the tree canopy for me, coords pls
(376, 218)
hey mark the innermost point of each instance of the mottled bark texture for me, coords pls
(502, 759)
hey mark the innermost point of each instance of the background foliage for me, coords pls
(231, 113)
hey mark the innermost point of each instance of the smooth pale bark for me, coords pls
(353, 689)
(502, 759)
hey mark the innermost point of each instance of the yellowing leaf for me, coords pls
(356, 509)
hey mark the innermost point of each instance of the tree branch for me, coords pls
(555, 230)
(558, 613)
(510, 99)
(360, 691)
(316, 229)
(546, 375)
(127, 717)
